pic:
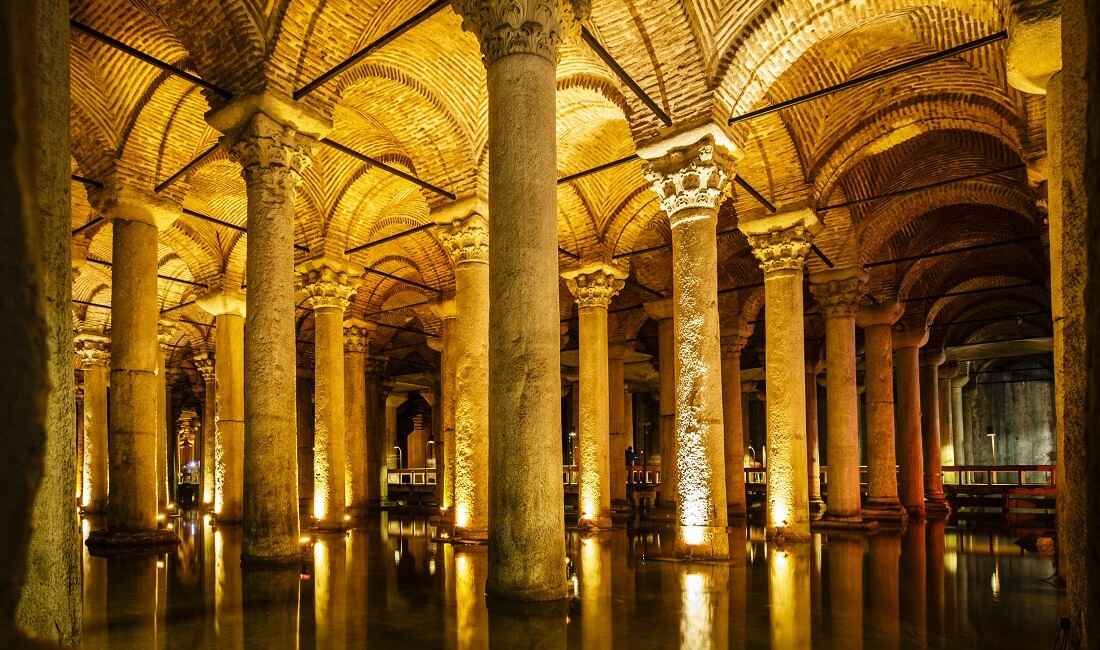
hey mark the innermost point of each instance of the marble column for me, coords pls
(94, 351)
(781, 242)
(327, 286)
(593, 285)
(958, 416)
(274, 153)
(204, 363)
(882, 485)
(661, 311)
(838, 293)
(908, 419)
(166, 334)
(813, 449)
(466, 238)
(519, 42)
(733, 342)
(616, 387)
(689, 172)
(445, 345)
(357, 334)
(377, 473)
(228, 309)
(136, 216)
(934, 502)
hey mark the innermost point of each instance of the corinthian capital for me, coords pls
(93, 348)
(357, 335)
(204, 363)
(595, 284)
(326, 283)
(838, 292)
(467, 239)
(506, 27)
(781, 241)
(734, 340)
(690, 171)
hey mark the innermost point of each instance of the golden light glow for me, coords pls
(462, 512)
(693, 535)
(789, 595)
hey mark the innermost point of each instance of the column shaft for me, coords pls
(329, 433)
(229, 429)
(666, 355)
(908, 420)
(947, 425)
(930, 433)
(882, 488)
(471, 399)
(594, 468)
(95, 438)
(843, 419)
(209, 426)
(813, 449)
(355, 424)
(958, 421)
(447, 380)
(162, 433)
(616, 388)
(736, 504)
(375, 418)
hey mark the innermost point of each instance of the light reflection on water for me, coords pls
(389, 585)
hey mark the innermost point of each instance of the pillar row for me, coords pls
(93, 349)
(662, 311)
(593, 285)
(357, 447)
(445, 345)
(618, 439)
(205, 364)
(733, 342)
(882, 482)
(166, 335)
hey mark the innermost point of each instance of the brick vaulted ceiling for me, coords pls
(420, 104)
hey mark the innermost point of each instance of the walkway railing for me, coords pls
(412, 476)
(999, 475)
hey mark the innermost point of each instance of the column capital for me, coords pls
(327, 283)
(1033, 54)
(781, 241)
(204, 363)
(689, 171)
(734, 339)
(594, 284)
(659, 309)
(118, 201)
(466, 239)
(838, 292)
(218, 301)
(933, 357)
(506, 27)
(357, 335)
(910, 338)
(93, 348)
(959, 374)
(886, 313)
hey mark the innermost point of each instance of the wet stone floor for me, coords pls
(388, 585)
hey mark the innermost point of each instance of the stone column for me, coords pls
(616, 387)
(934, 502)
(393, 400)
(132, 503)
(272, 139)
(838, 294)
(228, 309)
(661, 311)
(166, 333)
(908, 416)
(467, 239)
(445, 345)
(527, 538)
(733, 341)
(958, 416)
(93, 349)
(781, 242)
(689, 172)
(593, 286)
(813, 450)
(206, 366)
(377, 473)
(882, 486)
(326, 286)
(357, 335)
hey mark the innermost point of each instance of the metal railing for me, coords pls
(412, 476)
(999, 475)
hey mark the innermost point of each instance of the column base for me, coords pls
(817, 508)
(936, 507)
(470, 535)
(915, 511)
(852, 522)
(885, 510)
(601, 522)
(277, 561)
(786, 535)
(94, 509)
(702, 542)
(503, 596)
(125, 542)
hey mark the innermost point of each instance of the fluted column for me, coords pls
(467, 239)
(689, 173)
(132, 511)
(616, 388)
(908, 419)
(166, 333)
(813, 448)
(274, 154)
(934, 501)
(228, 309)
(204, 363)
(519, 43)
(781, 243)
(661, 311)
(733, 342)
(958, 416)
(445, 345)
(838, 294)
(357, 335)
(593, 286)
(882, 484)
(94, 351)
(327, 285)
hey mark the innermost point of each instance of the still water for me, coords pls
(389, 585)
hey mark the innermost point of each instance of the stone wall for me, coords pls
(1020, 414)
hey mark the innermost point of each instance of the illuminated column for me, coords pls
(943, 399)
(527, 534)
(228, 309)
(781, 242)
(204, 363)
(132, 504)
(661, 311)
(958, 416)
(377, 473)
(94, 351)
(78, 390)
(616, 387)
(910, 455)
(882, 485)
(445, 345)
(593, 286)
(466, 237)
(813, 450)
(838, 294)
(732, 343)
(934, 502)
(166, 333)
(689, 172)
(357, 447)
(327, 285)
(274, 153)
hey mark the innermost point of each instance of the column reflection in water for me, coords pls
(95, 593)
(329, 591)
(209, 575)
(704, 607)
(595, 590)
(845, 557)
(914, 605)
(934, 549)
(738, 586)
(789, 595)
(131, 602)
(161, 570)
(884, 626)
(228, 625)
(271, 602)
(470, 566)
(358, 602)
